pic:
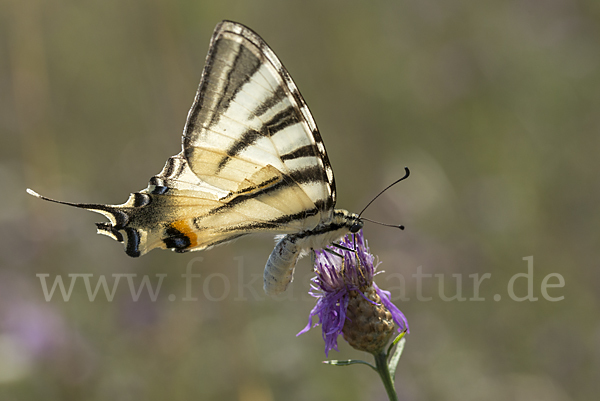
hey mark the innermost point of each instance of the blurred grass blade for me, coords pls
(393, 363)
(398, 338)
(349, 362)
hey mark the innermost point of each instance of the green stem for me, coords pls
(384, 373)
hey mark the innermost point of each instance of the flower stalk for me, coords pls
(385, 364)
(384, 372)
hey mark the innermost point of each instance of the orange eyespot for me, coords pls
(184, 228)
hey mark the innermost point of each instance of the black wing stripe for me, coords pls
(271, 101)
(278, 122)
(282, 120)
(300, 176)
(304, 151)
(244, 67)
(256, 225)
(246, 140)
(307, 175)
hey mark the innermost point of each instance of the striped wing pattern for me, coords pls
(249, 121)
(252, 160)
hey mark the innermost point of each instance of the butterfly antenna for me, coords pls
(407, 173)
(384, 224)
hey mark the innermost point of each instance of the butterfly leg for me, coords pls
(342, 247)
(333, 252)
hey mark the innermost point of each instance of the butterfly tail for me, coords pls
(118, 221)
(117, 217)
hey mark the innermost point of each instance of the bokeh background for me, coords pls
(494, 105)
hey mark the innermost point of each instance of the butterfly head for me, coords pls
(345, 222)
(356, 224)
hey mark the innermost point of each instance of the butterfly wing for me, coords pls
(248, 121)
(252, 160)
(160, 216)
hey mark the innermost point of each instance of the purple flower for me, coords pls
(348, 300)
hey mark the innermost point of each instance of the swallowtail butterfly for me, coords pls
(252, 161)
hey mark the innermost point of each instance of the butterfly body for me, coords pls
(252, 161)
(280, 266)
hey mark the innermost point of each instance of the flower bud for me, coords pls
(369, 325)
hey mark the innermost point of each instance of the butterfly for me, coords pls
(252, 161)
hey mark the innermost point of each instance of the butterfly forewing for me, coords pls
(248, 115)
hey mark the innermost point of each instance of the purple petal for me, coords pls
(397, 315)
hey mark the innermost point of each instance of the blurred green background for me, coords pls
(494, 105)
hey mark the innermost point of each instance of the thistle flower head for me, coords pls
(348, 300)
